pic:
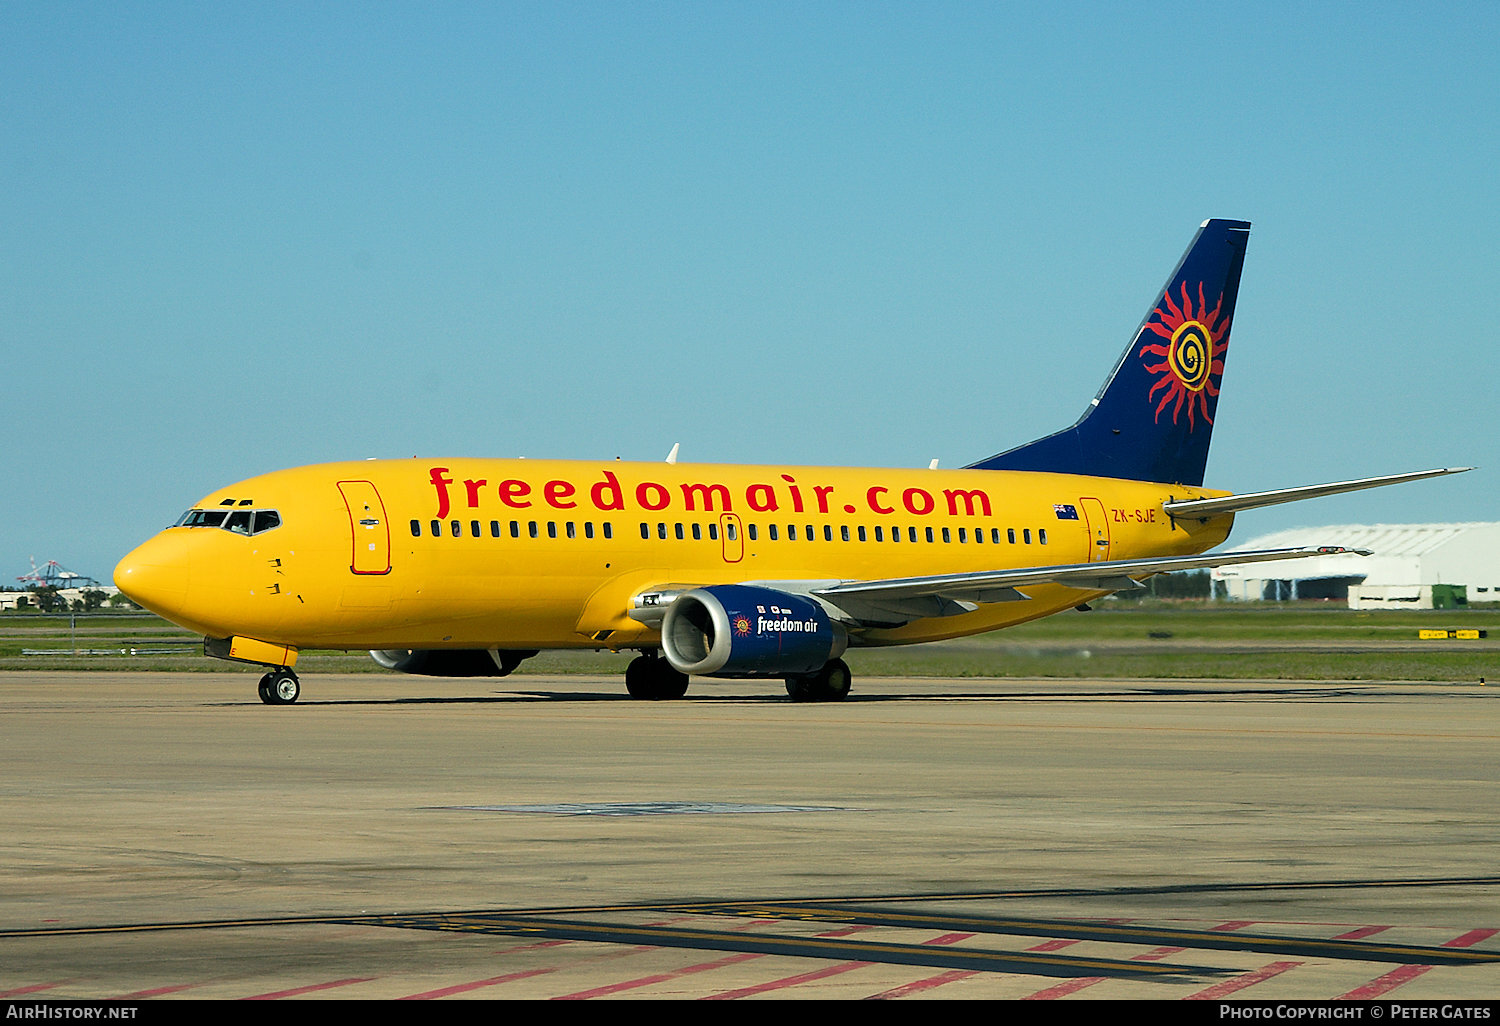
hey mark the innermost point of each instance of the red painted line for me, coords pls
(646, 981)
(1073, 986)
(1471, 938)
(1385, 984)
(1234, 924)
(157, 991)
(464, 988)
(295, 991)
(921, 986)
(1361, 933)
(1064, 989)
(32, 989)
(1406, 973)
(792, 981)
(931, 982)
(1228, 987)
(787, 981)
(1052, 945)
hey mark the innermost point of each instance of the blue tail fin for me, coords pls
(1152, 419)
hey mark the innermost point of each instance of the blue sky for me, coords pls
(238, 237)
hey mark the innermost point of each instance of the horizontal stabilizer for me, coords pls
(1205, 508)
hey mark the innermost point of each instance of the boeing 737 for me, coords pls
(466, 567)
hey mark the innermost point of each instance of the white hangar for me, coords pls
(1413, 566)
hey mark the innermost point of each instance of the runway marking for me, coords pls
(1397, 977)
(34, 988)
(1064, 989)
(1217, 939)
(673, 974)
(736, 943)
(647, 981)
(1362, 932)
(1220, 990)
(464, 988)
(786, 944)
(787, 981)
(310, 989)
(931, 982)
(156, 991)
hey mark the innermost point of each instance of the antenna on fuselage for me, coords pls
(672, 456)
(933, 464)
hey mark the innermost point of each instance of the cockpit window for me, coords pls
(203, 518)
(240, 521)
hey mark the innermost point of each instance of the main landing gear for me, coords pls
(830, 684)
(651, 676)
(280, 687)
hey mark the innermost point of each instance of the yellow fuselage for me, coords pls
(533, 554)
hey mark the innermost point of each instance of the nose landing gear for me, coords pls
(280, 687)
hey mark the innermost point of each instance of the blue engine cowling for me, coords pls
(736, 630)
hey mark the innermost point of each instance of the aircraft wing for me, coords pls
(902, 599)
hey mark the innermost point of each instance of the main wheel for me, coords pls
(830, 684)
(280, 688)
(654, 677)
(834, 681)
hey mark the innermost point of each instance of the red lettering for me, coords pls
(796, 493)
(513, 493)
(910, 497)
(441, 483)
(556, 492)
(822, 493)
(660, 495)
(473, 489)
(874, 503)
(954, 494)
(761, 498)
(606, 494)
(707, 493)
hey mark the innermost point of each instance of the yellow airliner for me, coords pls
(459, 567)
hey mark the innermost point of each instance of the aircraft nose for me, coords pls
(156, 575)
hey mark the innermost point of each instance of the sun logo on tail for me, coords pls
(1192, 355)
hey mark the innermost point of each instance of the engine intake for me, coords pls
(737, 630)
(437, 662)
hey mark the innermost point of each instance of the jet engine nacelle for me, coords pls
(737, 630)
(437, 662)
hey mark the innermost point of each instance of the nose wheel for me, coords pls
(280, 687)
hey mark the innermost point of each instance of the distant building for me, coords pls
(1413, 566)
(12, 599)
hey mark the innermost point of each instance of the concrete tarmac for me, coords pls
(167, 835)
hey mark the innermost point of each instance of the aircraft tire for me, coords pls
(646, 677)
(280, 688)
(830, 684)
(835, 681)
